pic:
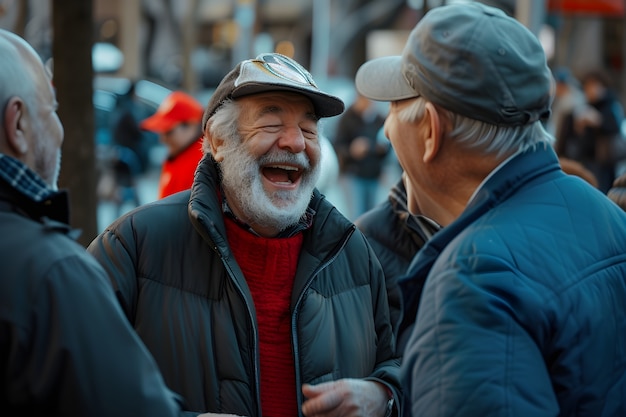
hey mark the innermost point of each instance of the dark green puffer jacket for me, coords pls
(181, 287)
(65, 346)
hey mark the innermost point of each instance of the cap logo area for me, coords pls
(285, 69)
(270, 72)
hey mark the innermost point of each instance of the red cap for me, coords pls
(177, 107)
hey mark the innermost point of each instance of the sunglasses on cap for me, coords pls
(285, 68)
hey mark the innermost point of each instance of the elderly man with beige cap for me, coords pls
(521, 295)
(252, 292)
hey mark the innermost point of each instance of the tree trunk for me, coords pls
(72, 24)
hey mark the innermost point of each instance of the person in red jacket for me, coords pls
(177, 121)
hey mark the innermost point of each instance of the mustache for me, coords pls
(283, 157)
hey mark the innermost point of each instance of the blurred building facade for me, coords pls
(193, 43)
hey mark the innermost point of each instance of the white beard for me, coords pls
(242, 179)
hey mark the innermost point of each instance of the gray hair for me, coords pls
(474, 134)
(224, 124)
(18, 78)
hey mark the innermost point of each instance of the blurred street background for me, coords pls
(102, 50)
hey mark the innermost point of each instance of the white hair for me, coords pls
(224, 124)
(477, 135)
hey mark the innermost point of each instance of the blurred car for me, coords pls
(108, 93)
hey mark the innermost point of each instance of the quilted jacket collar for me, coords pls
(328, 230)
(519, 172)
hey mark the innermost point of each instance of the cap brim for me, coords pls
(381, 79)
(157, 124)
(325, 105)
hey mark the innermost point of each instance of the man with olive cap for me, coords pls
(522, 308)
(252, 292)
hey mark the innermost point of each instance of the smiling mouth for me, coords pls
(282, 174)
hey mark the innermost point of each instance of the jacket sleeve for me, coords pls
(388, 359)
(472, 351)
(111, 251)
(86, 353)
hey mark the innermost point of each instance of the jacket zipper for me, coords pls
(257, 373)
(294, 316)
(255, 342)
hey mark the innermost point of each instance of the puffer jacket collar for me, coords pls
(519, 172)
(328, 233)
(204, 205)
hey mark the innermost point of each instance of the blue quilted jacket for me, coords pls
(524, 308)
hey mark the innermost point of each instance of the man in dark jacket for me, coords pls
(253, 293)
(361, 154)
(602, 134)
(522, 311)
(396, 236)
(66, 348)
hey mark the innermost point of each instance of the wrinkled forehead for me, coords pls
(280, 100)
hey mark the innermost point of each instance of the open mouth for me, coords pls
(282, 174)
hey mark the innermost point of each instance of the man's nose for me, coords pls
(292, 139)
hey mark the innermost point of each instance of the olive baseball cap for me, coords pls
(471, 59)
(272, 72)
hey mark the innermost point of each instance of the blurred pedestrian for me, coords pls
(569, 104)
(361, 154)
(572, 167)
(521, 312)
(603, 132)
(253, 293)
(123, 157)
(126, 131)
(177, 121)
(396, 236)
(66, 348)
(617, 193)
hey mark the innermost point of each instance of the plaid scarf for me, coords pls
(23, 179)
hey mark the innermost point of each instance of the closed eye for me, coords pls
(272, 128)
(309, 134)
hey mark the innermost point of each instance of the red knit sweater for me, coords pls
(269, 265)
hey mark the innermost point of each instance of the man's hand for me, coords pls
(345, 397)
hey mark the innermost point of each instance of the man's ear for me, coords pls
(432, 142)
(215, 144)
(15, 121)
